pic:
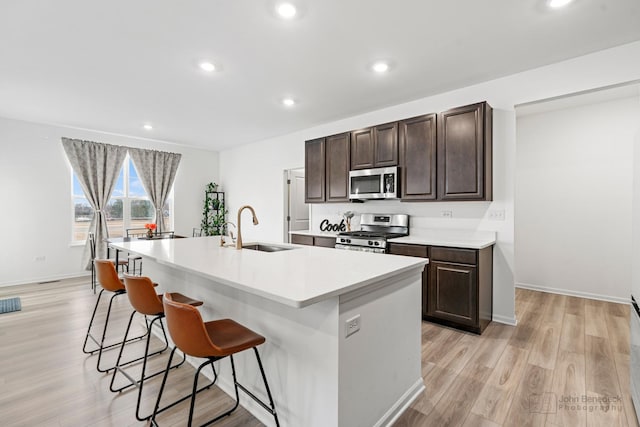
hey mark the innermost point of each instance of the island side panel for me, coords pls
(380, 364)
(300, 355)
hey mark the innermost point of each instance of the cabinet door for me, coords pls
(464, 153)
(386, 145)
(453, 293)
(314, 164)
(337, 171)
(418, 158)
(302, 239)
(362, 149)
(325, 242)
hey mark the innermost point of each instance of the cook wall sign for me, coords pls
(325, 225)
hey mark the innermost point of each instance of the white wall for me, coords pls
(573, 199)
(252, 173)
(635, 220)
(35, 191)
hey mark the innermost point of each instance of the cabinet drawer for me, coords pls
(461, 256)
(325, 242)
(408, 250)
(301, 239)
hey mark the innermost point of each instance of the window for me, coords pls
(129, 206)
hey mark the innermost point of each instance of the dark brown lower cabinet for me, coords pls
(305, 239)
(457, 285)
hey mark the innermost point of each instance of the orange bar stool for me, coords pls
(109, 281)
(146, 301)
(213, 340)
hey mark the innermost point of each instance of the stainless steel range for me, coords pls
(375, 229)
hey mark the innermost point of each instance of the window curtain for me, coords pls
(157, 171)
(97, 167)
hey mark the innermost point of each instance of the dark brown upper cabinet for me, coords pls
(362, 149)
(314, 165)
(464, 153)
(337, 168)
(327, 164)
(375, 147)
(418, 158)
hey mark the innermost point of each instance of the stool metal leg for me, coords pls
(100, 344)
(140, 383)
(157, 410)
(266, 385)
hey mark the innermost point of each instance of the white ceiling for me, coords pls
(115, 65)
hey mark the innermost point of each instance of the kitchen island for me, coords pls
(343, 328)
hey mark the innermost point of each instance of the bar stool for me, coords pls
(108, 279)
(213, 340)
(92, 247)
(145, 301)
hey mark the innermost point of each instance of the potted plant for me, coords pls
(213, 219)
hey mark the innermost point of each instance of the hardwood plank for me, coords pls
(454, 406)
(495, 398)
(572, 335)
(622, 368)
(545, 348)
(569, 387)
(595, 319)
(474, 420)
(618, 330)
(437, 381)
(602, 385)
(575, 306)
(532, 400)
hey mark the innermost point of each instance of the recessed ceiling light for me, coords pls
(148, 127)
(207, 66)
(288, 102)
(380, 67)
(286, 10)
(558, 3)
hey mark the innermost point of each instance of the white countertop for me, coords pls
(469, 239)
(298, 277)
(315, 233)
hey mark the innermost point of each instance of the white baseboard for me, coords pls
(512, 321)
(45, 279)
(392, 415)
(572, 293)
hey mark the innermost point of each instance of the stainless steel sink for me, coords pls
(266, 248)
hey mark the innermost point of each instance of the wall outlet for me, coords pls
(496, 215)
(40, 258)
(446, 214)
(351, 326)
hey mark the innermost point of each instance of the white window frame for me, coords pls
(126, 201)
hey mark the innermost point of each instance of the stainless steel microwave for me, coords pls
(379, 183)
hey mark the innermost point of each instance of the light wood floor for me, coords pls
(564, 348)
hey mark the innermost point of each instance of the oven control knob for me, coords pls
(370, 243)
(348, 240)
(377, 243)
(342, 240)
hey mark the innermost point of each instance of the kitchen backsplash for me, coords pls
(461, 215)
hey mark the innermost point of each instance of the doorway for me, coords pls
(574, 173)
(296, 211)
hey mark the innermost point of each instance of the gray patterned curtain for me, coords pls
(97, 167)
(157, 170)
